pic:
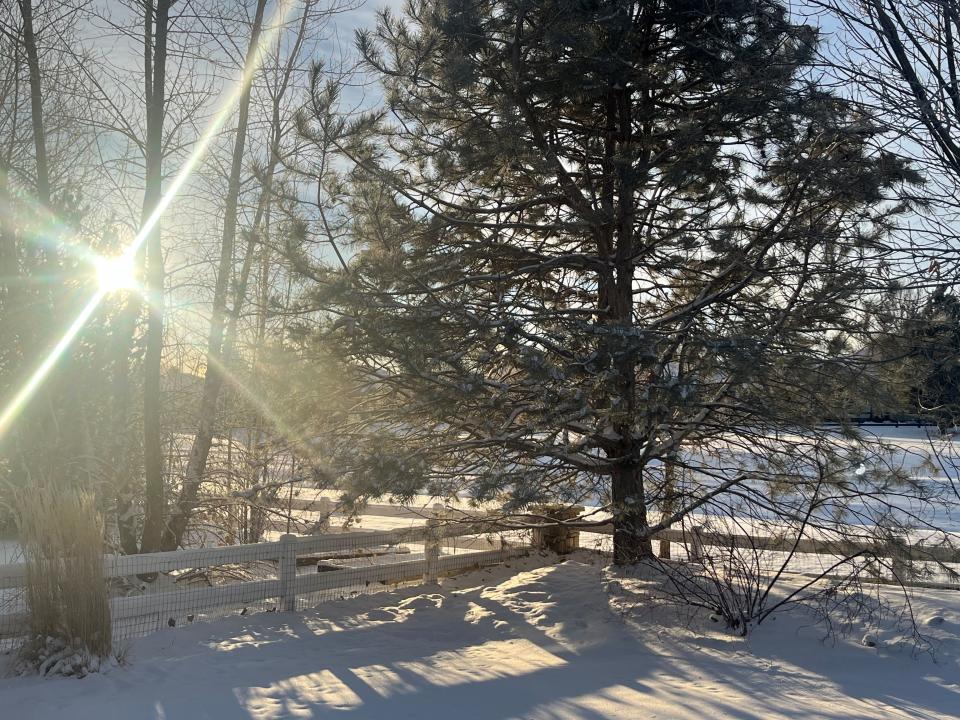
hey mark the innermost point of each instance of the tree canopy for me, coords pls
(592, 234)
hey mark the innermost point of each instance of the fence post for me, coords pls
(557, 538)
(287, 572)
(431, 548)
(695, 551)
(900, 559)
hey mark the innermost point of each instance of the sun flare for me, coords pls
(116, 273)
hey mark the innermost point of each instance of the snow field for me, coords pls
(553, 640)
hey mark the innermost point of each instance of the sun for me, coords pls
(116, 273)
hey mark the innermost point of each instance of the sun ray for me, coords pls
(303, 443)
(33, 383)
(226, 105)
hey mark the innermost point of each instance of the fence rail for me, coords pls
(141, 613)
(785, 543)
(899, 562)
(348, 562)
(943, 553)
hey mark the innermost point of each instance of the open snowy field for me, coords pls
(545, 642)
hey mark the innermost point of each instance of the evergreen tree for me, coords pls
(935, 346)
(594, 235)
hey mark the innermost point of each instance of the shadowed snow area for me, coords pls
(547, 642)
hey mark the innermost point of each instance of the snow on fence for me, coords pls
(152, 591)
(156, 590)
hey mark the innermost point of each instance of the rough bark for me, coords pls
(631, 541)
(36, 103)
(152, 444)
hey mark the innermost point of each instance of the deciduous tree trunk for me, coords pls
(36, 105)
(152, 444)
(214, 376)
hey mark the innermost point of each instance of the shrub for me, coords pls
(61, 533)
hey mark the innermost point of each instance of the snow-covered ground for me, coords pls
(529, 641)
(10, 551)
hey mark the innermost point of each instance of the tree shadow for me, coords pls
(467, 654)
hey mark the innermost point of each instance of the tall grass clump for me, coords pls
(61, 533)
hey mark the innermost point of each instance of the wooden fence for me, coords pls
(911, 564)
(898, 553)
(474, 548)
(917, 565)
(477, 541)
(907, 564)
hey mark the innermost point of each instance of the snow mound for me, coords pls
(549, 641)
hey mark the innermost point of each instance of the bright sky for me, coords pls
(218, 78)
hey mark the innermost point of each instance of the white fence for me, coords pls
(299, 572)
(898, 560)
(894, 561)
(302, 572)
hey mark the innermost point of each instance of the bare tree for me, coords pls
(148, 116)
(156, 27)
(281, 67)
(213, 378)
(899, 60)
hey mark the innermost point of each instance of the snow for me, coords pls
(538, 639)
(10, 551)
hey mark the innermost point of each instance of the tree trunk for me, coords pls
(152, 444)
(121, 458)
(213, 376)
(122, 438)
(631, 541)
(61, 395)
(36, 104)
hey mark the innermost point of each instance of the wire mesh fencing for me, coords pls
(151, 592)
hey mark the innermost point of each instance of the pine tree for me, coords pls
(934, 340)
(591, 234)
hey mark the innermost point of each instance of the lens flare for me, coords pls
(116, 273)
(225, 108)
(30, 387)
